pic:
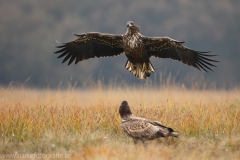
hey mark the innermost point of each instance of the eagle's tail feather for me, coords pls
(141, 71)
(174, 134)
(165, 131)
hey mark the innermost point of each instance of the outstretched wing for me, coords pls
(164, 47)
(90, 45)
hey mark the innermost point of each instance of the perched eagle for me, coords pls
(140, 128)
(136, 47)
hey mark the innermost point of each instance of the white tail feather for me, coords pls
(138, 70)
(174, 134)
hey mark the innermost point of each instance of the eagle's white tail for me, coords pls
(141, 71)
(174, 134)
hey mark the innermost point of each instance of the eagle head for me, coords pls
(124, 109)
(132, 26)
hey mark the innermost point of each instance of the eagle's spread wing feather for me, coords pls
(90, 45)
(164, 47)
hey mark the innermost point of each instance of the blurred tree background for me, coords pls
(29, 29)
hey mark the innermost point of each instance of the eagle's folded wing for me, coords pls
(90, 45)
(138, 128)
(164, 47)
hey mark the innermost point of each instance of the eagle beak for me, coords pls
(129, 24)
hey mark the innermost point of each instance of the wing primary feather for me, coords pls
(71, 59)
(200, 52)
(199, 64)
(209, 55)
(77, 60)
(205, 66)
(193, 63)
(196, 66)
(63, 54)
(66, 58)
(61, 50)
(202, 59)
(64, 45)
(200, 56)
(78, 56)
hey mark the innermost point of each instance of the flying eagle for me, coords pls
(140, 128)
(137, 48)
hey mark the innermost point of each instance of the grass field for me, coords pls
(84, 124)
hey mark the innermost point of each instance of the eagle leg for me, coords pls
(144, 68)
(135, 141)
(144, 143)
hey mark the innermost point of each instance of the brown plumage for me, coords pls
(137, 48)
(140, 128)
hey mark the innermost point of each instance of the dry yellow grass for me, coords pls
(85, 123)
